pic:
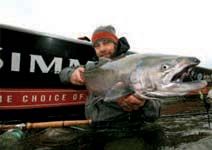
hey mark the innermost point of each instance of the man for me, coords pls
(107, 45)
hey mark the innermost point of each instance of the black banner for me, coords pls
(33, 59)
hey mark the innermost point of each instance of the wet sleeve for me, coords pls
(65, 75)
(151, 110)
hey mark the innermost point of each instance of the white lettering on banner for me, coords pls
(75, 96)
(63, 98)
(8, 99)
(78, 96)
(73, 62)
(15, 62)
(57, 62)
(34, 98)
(56, 97)
(39, 61)
(31, 99)
(1, 61)
(25, 98)
(81, 96)
(44, 98)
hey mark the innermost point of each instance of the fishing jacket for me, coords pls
(99, 111)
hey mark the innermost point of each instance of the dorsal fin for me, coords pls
(103, 60)
(90, 66)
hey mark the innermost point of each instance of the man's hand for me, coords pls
(77, 76)
(130, 103)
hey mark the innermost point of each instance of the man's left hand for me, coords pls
(130, 103)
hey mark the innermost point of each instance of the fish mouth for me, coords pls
(182, 80)
(184, 75)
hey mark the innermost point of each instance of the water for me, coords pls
(188, 131)
(168, 133)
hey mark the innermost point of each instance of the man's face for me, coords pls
(104, 48)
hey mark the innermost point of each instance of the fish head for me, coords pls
(162, 76)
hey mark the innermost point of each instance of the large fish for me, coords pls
(148, 76)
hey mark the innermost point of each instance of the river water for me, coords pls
(186, 132)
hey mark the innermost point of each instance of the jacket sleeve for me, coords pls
(65, 74)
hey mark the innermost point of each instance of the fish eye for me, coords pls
(164, 67)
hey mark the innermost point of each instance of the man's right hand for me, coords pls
(130, 103)
(77, 76)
